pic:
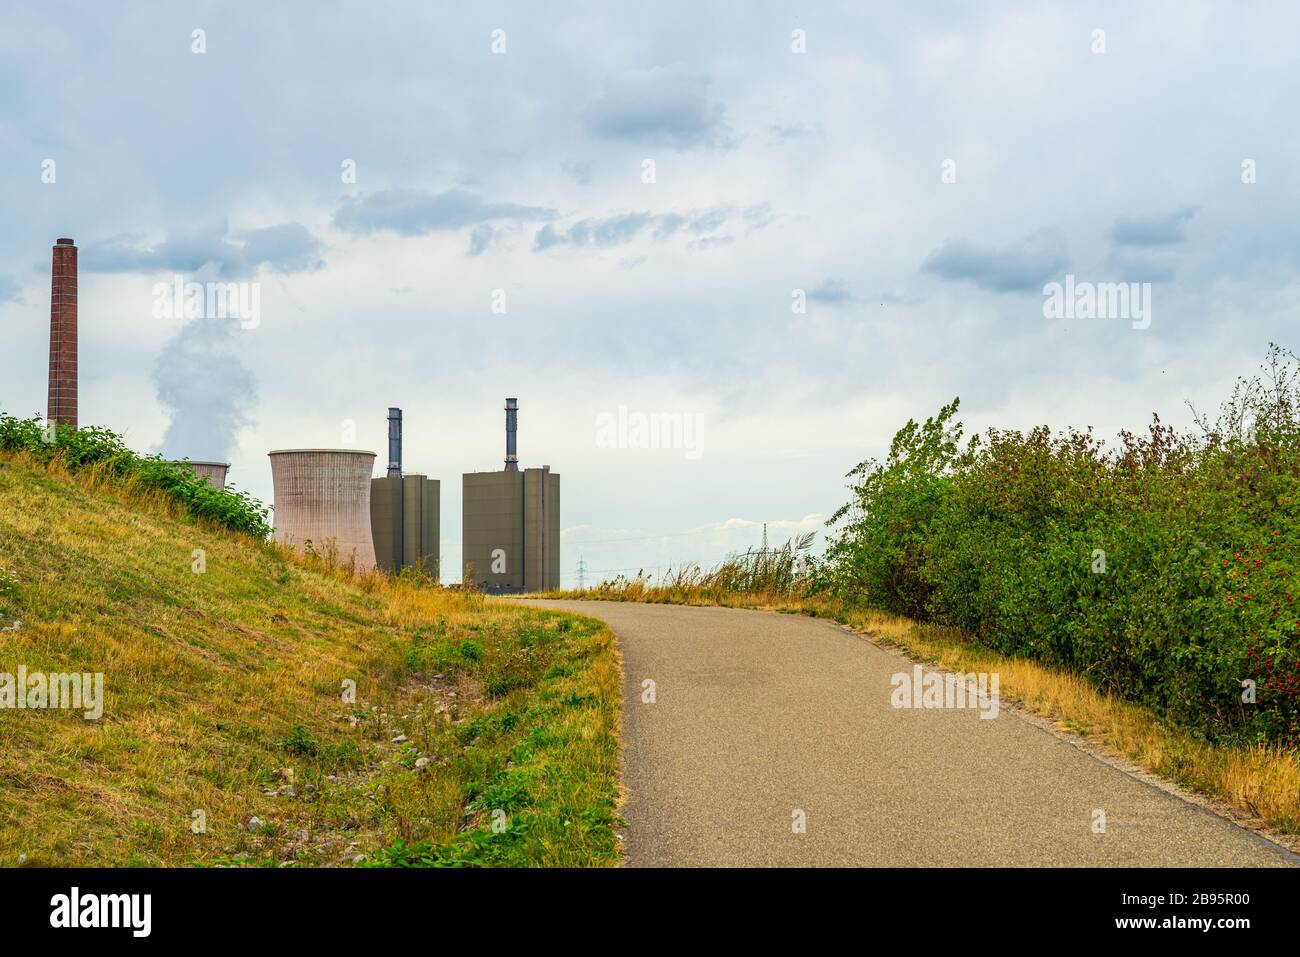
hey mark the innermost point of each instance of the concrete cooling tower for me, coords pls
(214, 473)
(322, 497)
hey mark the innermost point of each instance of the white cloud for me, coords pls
(825, 169)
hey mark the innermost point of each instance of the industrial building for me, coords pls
(511, 523)
(404, 512)
(327, 497)
(322, 502)
(62, 406)
(326, 500)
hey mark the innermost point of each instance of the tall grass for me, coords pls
(771, 574)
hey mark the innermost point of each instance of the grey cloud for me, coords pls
(1159, 230)
(709, 220)
(668, 224)
(788, 132)
(581, 172)
(663, 106)
(898, 299)
(834, 292)
(480, 238)
(711, 242)
(1139, 266)
(286, 248)
(1017, 268)
(413, 212)
(601, 233)
(8, 290)
(697, 224)
(759, 216)
(620, 229)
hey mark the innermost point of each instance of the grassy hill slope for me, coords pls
(481, 732)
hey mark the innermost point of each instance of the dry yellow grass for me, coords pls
(225, 684)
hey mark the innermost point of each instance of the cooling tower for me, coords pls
(214, 473)
(322, 501)
(63, 335)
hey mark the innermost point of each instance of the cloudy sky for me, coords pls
(798, 225)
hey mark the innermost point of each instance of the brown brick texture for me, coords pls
(63, 336)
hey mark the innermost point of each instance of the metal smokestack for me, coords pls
(394, 443)
(63, 335)
(512, 426)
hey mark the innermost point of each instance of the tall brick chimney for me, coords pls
(63, 334)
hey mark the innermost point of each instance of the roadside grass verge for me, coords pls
(479, 732)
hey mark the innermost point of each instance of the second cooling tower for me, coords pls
(322, 502)
(214, 473)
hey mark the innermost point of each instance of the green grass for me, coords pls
(482, 732)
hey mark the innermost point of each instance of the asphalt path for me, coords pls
(760, 739)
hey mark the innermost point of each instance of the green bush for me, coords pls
(89, 445)
(1165, 569)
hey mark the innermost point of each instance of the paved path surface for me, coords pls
(760, 715)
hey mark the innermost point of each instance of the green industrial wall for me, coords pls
(404, 522)
(518, 513)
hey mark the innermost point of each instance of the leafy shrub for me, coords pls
(1165, 569)
(92, 446)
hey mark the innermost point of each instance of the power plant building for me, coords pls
(404, 512)
(327, 500)
(322, 501)
(511, 524)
